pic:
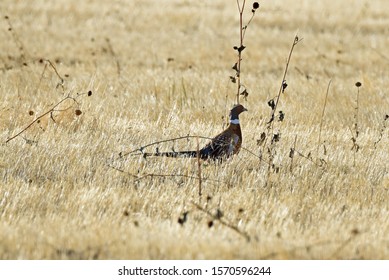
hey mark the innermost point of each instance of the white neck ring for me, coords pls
(236, 121)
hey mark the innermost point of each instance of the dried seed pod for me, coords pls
(183, 218)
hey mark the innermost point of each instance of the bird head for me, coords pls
(236, 110)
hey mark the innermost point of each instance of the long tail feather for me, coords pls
(188, 154)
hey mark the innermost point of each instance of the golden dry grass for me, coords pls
(159, 70)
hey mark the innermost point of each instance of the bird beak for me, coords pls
(244, 109)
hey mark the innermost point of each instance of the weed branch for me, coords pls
(273, 103)
(138, 177)
(284, 85)
(219, 217)
(48, 63)
(51, 111)
(354, 234)
(322, 119)
(382, 130)
(16, 39)
(354, 139)
(199, 168)
(242, 32)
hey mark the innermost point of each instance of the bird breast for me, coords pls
(233, 143)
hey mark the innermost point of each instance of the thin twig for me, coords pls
(354, 233)
(282, 87)
(383, 127)
(248, 23)
(291, 155)
(223, 222)
(16, 39)
(55, 70)
(51, 110)
(274, 105)
(159, 142)
(306, 157)
(138, 177)
(199, 168)
(49, 63)
(40, 79)
(255, 155)
(322, 118)
(304, 247)
(241, 9)
(354, 139)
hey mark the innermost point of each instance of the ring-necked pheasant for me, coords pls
(223, 145)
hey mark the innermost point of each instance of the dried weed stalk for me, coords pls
(138, 177)
(51, 111)
(16, 39)
(353, 235)
(219, 217)
(241, 89)
(199, 168)
(322, 119)
(47, 64)
(355, 148)
(384, 125)
(273, 104)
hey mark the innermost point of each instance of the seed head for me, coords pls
(281, 116)
(355, 231)
(183, 218)
(271, 103)
(255, 5)
(358, 84)
(219, 214)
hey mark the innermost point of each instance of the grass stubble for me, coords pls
(163, 72)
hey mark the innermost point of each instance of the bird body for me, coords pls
(223, 145)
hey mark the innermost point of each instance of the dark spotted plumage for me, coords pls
(223, 145)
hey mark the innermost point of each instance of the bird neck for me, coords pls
(234, 121)
(234, 117)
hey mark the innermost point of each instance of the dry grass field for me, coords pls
(159, 70)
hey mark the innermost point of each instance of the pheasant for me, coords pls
(223, 145)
